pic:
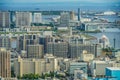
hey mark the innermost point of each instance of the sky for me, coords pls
(51, 4)
(39, 1)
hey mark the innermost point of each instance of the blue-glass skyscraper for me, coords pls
(79, 14)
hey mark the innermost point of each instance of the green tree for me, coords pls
(30, 76)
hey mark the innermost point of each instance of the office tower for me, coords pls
(64, 19)
(23, 19)
(11, 16)
(37, 18)
(35, 51)
(113, 72)
(5, 68)
(75, 50)
(59, 49)
(72, 15)
(35, 66)
(5, 42)
(12, 19)
(4, 19)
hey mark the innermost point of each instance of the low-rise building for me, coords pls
(98, 67)
(8, 78)
(117, 55)
(79, 66)
(85, 56)
(113, 72)
(80, 75)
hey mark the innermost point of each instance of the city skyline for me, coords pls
(59, 39)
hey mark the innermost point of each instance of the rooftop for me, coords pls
(113, 68)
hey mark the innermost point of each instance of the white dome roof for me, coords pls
(109, 13)
(104, 37)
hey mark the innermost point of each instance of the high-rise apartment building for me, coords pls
(5, 68)
(59, 49)
(27, 39)
(23, 19)
(5, 42)
(37, 18)
(35, 51)
(64, 19)
(75, 50)
(72, 15)
(44, 40)
(4, 19)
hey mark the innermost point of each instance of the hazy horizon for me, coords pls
(61, 4)
(45, 1)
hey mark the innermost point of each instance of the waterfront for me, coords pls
(111, 33)
(60, 6)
